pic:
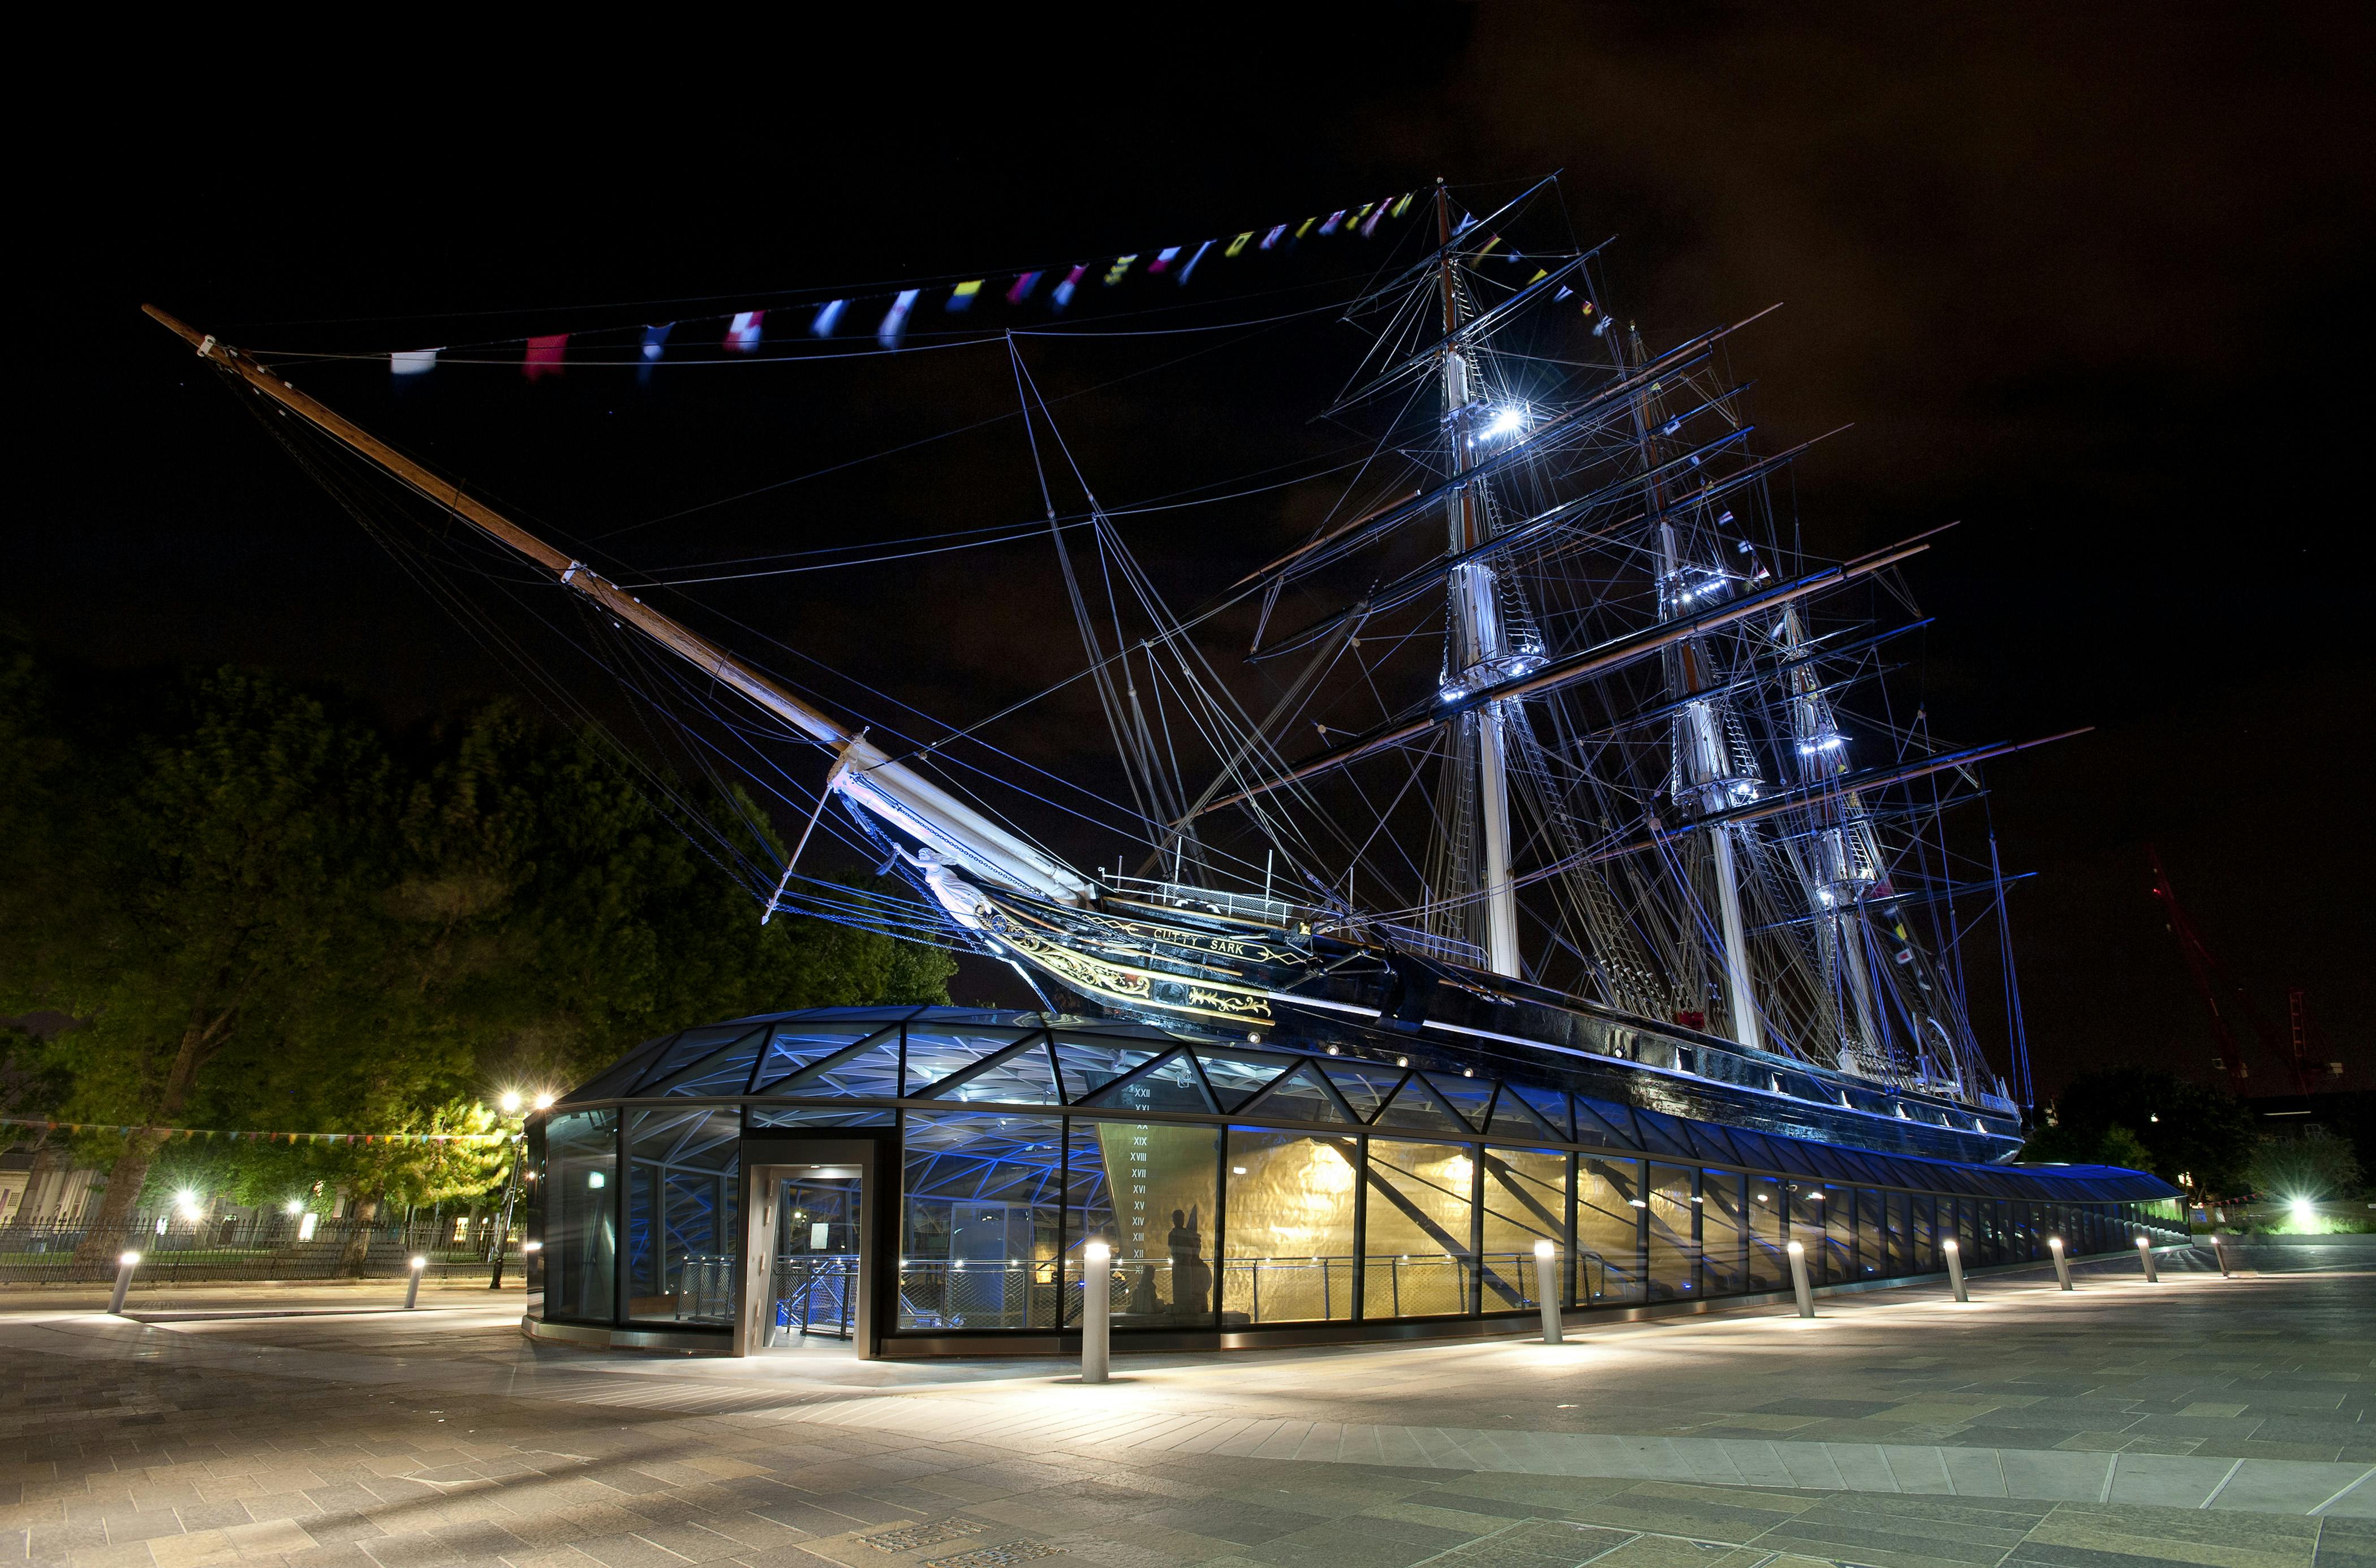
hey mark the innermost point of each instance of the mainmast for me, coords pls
(1478, 655)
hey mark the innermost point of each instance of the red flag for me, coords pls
(544, 356)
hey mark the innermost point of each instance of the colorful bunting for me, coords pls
(1023, 287)
(1120, 265)
(239, 1136)
(1188, 271)
(1064, 296)
(742, 335)
(656, 340)
(1272, 238)
(827, 314)
(1236, 246)
(544, 356)
(413, 362)
(961, 297)
(1163, 259)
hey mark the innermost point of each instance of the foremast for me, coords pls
(1477, 653)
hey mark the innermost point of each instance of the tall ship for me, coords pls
(1550, 788)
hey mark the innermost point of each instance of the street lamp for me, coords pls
(510, 1102)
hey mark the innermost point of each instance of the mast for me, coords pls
(1477, 653)
(1706, 777)
(947, 827)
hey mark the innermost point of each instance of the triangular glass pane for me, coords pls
(1598, 1122)
(791, 1047)
(720, 1073)
(1470, 1097)
(1365, 1088)
(1024, 1079)
(1415, 1109)
(1088, 1062)
(1514, 1118)
(1172, 1086)
(1299, 1097)
(687, 1048)
(936, 1052)
(1711, 1142)
(1238, 1076)
(1548, 1104)
(872, 1074)
(621, 1075)
(1662, 1135)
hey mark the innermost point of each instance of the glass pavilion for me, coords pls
(921, 1181)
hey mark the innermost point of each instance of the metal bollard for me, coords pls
(2061, 1263)
(1955, 1270)
(2219, 1254)
(1097, 1322)
(1798, 1280)
(412, 1288)
(1546, 1289)
(2144, 1256)
(124, 1264)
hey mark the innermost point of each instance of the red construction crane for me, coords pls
(2211, 982)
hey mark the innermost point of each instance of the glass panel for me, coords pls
(1609, 1204)
(1807, 1228)
(1548, 1104)
(1662, 1134)
(687, 1048)
(1150, 1190)
(872, 1074)
(978, 1221)
(1237, 1078)
(1365, 1089)
(580, 1216)
(1674, 1234)
(1172, 1086)
(1967, 1232)
(1415, 1108)
(1598, 1123)
(793, 1047)
(1924, 1232)
(1024, 1079)
(1514, 1118)
(818, 1116)
(1289, 1255)
(1868, 1254)
(934, 1053)
(721, 1074)
(1300, 1096)
(1724, 1234)
(1418, 1262)
(683, 1183)
(1769, 1227)
(1900, 1259)
(1469, 1097)
(1089, 1062)
(1525, 1202)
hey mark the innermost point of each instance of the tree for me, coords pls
(2184, 1128)
(2314, 1164)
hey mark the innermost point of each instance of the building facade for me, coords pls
(920, 1182)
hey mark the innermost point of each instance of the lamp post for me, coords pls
(2061, 1263)
(1547, 1290)
(2144, 1256)
(504, 1215)
(1955, 1270)
(412, 1285)
(1097, 1324)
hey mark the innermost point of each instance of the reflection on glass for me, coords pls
(1289, 1255)
(812, 1277)
(1149, 1189)
(1899, 1258)
(1609, 1204)
(978, 1221)
(1769, 1226)
(683, 1182)
(1673, 1234)
(580, 1224)
(1724, 1234)
(1525, 1202)
(1806, 1206)
(1924, 1259)
(1839, 1232)
(1417, 1261)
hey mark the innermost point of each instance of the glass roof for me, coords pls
(965, 1055)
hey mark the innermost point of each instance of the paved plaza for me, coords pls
(2201, 1420)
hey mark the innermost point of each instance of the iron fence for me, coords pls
(252, 1247)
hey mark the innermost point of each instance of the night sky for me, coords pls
(2086, 278)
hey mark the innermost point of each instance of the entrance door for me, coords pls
(812, 1285)
(809, 1255)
